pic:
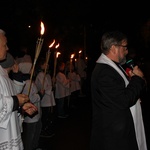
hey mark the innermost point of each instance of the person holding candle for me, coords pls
(80, 66)
(11, 105)
(48, 100)
(74, 86)
(62, 91)
(31, 124)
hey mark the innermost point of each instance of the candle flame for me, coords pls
(42, 28)
(58, 53)
(72, 55)
(80, 51)
(52, 44)
(57, 45)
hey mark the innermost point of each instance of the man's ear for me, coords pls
(113, 49)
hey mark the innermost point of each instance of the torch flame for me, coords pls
(80, 51)
(52, 44)
(58, 53)
(72, 55)
(57, 45)
(42, 28)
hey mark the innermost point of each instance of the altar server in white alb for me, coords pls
(62, 91)
(74, 85)
(31, 125)
(10, 104)
(44, 83)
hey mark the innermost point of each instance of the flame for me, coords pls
(80, 51)
(42, 28)
(52, 44)
(57, 45)
(72, 55)
(58, 53)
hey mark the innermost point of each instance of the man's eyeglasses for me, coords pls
(125, 46)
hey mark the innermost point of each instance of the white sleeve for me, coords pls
(6, 106)
(18, 86)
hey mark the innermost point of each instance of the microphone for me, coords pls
(130, 63)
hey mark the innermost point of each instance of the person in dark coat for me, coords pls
(117, 122)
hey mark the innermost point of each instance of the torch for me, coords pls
(70, 66)
(39, 44)
(55, 64)
(47, 60)
(55, 59)
(72, 55)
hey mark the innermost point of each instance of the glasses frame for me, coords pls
(122, 46)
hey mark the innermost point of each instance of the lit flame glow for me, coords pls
(42, 28)
(58, 53)
(72, 55)
(80, 51)
(52, 44)
(57, 45)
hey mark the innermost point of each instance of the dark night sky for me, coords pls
(67, 21)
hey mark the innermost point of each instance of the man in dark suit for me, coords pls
(117, 122)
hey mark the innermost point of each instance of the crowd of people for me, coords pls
(29, 106)
(35, 102)
(13, 103)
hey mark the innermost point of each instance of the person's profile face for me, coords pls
(3, 47)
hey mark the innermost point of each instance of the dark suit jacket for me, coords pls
(112, 122)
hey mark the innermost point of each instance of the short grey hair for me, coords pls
(111, 38)
(2, 32)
